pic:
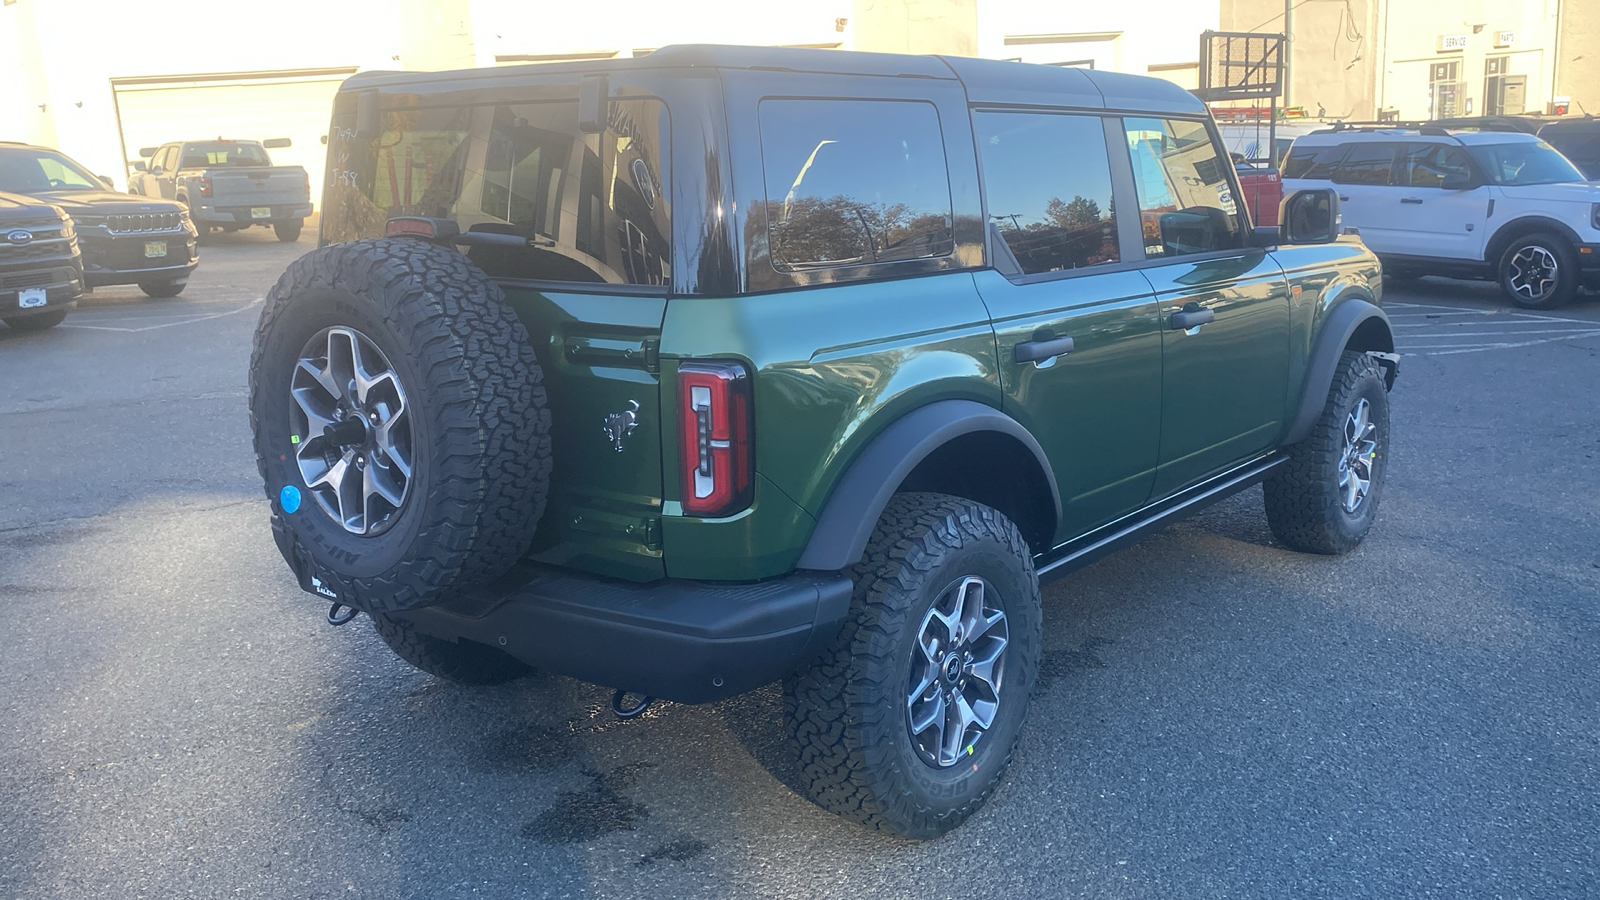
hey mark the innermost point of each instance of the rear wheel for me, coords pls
(464, 662)
(909, 719)
(164, 288)
(1539, 271)
(288, 232)
(37, 322)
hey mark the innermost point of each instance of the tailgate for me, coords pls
(279, 185)
(600, 358)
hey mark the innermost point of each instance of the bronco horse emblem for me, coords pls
(620, 425)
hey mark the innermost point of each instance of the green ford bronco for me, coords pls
(690, 373)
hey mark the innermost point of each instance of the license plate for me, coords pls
(260, 212)
(29, 298)
(153, 249)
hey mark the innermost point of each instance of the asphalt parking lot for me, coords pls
(1218, 717)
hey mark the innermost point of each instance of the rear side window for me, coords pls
(1312, 162)
(851, 182)
(1367, 164)
(594, 204)
(1426, 165)
(1048, 183)
(1186, 200)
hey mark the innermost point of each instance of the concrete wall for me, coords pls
(1578, 55)
(1358, 59)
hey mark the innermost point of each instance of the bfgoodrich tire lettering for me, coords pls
(478, 417)
(848, 713)
(1325, 498)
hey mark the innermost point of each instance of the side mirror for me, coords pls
(139, 166)
(275, 143)
(106, 180)
(148, 152)
(156, 170)
(593, 92)
(1458, 181)
(1310, 217)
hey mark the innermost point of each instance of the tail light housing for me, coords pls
(205, 186)
(717, 457)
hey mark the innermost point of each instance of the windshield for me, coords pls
(1524, 163)
(29, 171)
(222, 153)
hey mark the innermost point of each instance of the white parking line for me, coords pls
(1473, 334)
(1452, 349)
(197, 317)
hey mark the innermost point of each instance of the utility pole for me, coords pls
(1288, 46)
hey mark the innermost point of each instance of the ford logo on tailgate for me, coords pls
(19, 236)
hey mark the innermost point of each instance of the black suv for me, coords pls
(41, 270)
(126, 239)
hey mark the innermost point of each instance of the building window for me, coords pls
(1445, 90)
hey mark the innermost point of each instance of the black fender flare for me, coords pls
(1342, 323)
(1496, 245)
(861, 493)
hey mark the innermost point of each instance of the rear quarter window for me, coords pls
(854, 182)
(1312, 162)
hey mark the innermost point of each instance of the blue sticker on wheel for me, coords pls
(289, 498)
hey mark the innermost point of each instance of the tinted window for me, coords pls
(1426, 165)
(1367, 164)
(594, 203)
(1582, 147)
(25, 170)
(1186, 200)
(1312, 162)
(1048, 183)
(854, 181)
(223, 153)
(1525, 162)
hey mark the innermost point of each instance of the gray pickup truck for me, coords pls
(226, 184)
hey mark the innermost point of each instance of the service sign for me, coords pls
(1448, 42)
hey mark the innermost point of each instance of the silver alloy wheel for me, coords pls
(1534, 272)
(1360, 449)
(956, 672)
(351, 428)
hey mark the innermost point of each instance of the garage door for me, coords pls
(256, 106)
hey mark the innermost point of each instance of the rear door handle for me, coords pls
(1039, 351)
(1192, 318)
(1344, 198)
(1417, 200)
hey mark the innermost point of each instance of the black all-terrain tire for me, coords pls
(1541, 246)
(163, 288)
(1305, 505)
(37, 322)
(847, 713)
(480, 424)
(464, 662)
(288, 232)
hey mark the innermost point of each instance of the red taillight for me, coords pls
(411, 225)
(205, 186)
(714, 427)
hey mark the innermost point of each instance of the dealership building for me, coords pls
(99, 79)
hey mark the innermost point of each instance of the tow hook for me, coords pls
(335, 617)
(628, 712)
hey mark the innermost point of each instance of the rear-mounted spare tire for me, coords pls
(400, 420)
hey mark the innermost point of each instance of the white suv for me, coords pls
(1465, 205)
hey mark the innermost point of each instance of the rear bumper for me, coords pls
(693, 642)
(243, 215)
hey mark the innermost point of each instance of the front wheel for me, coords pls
(1539, 271)
(163, 288)
(1325, 498)
(37, 322)
(288, 232)
(908, 720)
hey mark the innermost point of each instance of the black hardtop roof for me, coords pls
(986, 80)
(1582, 125)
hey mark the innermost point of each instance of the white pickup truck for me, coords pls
(226, 184)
